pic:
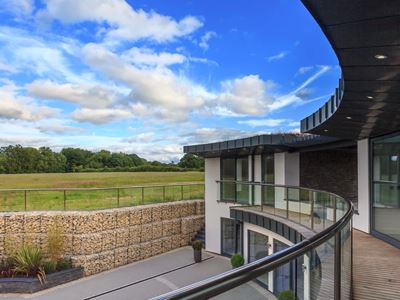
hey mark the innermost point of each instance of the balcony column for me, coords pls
(361, 221)
(214, 210)
(287, 172)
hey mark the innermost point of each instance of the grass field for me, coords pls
(125, 195)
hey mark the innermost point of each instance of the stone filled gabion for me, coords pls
(105, 239)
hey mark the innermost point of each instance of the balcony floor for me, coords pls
(376, 268)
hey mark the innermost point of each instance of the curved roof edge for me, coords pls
(365, 37)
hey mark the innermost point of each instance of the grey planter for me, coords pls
(32, 285)
(197, 256)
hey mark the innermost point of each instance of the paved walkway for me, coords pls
(146, 279)
(376, 268)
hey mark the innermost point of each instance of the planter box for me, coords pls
(33, 285)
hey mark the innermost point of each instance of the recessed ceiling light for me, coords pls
(370, 97)
(380, 56)
(348, 118)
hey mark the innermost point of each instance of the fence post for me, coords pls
(25, 199)
(65, 200)
(312, 209)
(334, 209)
(163, 193)
(181, 192)
(287, 202)
(337, 265)
(142, 194)
(117, 197)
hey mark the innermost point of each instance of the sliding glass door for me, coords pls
(386, 188)
(231, 237)
(258, 248)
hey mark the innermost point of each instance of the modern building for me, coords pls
(287, 202)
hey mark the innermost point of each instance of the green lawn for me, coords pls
(97, 199)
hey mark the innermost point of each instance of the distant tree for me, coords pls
(51, 162)
(190, 161)
(76, 158)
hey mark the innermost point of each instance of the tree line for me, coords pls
(18, 159)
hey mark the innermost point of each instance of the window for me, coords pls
(231, 237)
(235, 169)
(386, 188)
(268, 176)
(258, 248)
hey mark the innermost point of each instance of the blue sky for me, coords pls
(148, 77)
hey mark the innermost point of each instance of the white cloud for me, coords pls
(14, 106)
(292, 97)
(123, 21)
(140, 138)
(153, 89)
(146, 56)
(209, 135)
(19, 8)
(59, 129)
(205, 38)
(7, 68)
(264, 122)
(35, 55)
(246, 95)
(100, 116)
(304, 70)
(278, 56)
(86, 95)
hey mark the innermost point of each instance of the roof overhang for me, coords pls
(267, 143)
(367, 100)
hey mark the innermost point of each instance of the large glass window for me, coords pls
(235, 169)
(258, 248)
(386, 187)
(284, 276)
(268, 176)
(231, 237)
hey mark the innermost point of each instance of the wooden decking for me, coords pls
(376, 269)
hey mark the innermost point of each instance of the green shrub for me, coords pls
(49, 266)
(55, 243)
(237, 260)
(64, 264)
(6, 268)
(29, 261)
(286, 295)
(197, 245)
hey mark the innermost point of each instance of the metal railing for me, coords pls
(40, 199)
(325, 256)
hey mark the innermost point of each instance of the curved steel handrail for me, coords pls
(218, 284)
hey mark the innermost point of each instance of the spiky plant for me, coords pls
(29, 261)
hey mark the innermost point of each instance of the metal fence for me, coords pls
(96, 198)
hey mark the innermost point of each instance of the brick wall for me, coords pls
(104, 239)
(331, 170)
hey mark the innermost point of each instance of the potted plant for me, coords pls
(197, 246)
(237, 260)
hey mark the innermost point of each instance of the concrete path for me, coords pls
(146, 279)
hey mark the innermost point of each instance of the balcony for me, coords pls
(317, 223)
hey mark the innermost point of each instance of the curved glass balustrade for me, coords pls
(317, 267)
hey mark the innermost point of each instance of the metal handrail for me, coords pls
(218, 284)
(99, 188)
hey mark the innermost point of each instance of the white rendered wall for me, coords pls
(214, 210)
(362, 220)
(287, 172)
(287, 168)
